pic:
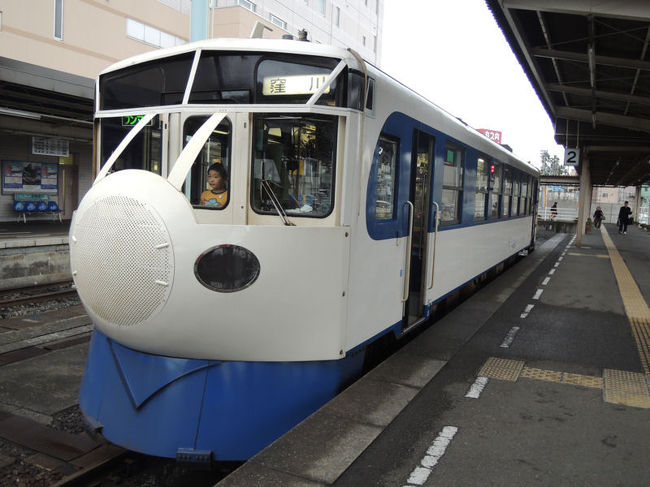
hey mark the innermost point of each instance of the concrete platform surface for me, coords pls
(541, 377)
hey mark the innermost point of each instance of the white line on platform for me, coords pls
(551, 272)
(477, 387)
(556, 264)
(545, 281)
(528, 309)
(559, 259)
(420, 474)
(538, 293)
(509, 337)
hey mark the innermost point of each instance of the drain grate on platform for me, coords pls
(502, 369)
(627, 388)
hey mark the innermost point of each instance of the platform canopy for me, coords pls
(588, 60)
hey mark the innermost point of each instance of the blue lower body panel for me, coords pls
(158, 405)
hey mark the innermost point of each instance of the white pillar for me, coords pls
(585, 198)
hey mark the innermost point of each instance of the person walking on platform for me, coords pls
(599, 216)
(554, 211)
(624, 218)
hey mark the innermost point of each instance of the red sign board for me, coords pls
(494, 135)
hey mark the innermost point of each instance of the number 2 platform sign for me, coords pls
(571, 157)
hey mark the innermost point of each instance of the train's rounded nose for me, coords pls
(120, 247)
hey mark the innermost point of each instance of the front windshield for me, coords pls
(144, 151)
(294, 157)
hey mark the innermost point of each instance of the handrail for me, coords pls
(435, 246)
(407, 279)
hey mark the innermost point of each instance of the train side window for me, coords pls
(209, 180)
(516, 203)
(386, 178)
(495, 190)
(523, 208)
(482, 175)
(507, 192)
(452, 185)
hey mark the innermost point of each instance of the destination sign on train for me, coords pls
(293, 85)
(131, 120)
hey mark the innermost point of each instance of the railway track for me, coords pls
(36, 294)
(43, 448)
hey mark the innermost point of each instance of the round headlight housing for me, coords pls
(227, 268)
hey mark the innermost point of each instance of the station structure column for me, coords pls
(585, 199)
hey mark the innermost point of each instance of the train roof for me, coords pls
(462, 129)
(245, 45)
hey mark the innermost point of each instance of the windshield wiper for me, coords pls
(276, 203)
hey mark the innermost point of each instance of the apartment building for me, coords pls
(51, 51)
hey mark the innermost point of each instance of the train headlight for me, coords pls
(227, 268)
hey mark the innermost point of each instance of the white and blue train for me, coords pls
(345, 207)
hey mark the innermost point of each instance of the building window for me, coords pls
(321, 6)
(337, 17)
(58, 19)
(278, 21)
(150, 35)
(247, 5)
(452, 185)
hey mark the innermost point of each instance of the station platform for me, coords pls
(33, 253)
(541, 377)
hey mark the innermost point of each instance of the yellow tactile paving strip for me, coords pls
(629, 388)
(502, 369)
(619, 386)
(636, 307)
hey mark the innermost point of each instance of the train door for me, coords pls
(420, 185)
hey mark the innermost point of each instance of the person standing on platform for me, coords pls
(624, 218)
(554, 211)
(599, 216)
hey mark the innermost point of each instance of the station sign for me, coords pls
(493, 135)
(571, 157)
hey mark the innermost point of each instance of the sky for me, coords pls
(453, 53)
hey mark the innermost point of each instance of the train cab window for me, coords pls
(291, 82)
(143, 152)
(209, 179)
(507, 192)
(452, 185)
(515, 195)
(370, 100)
(386, 178)
(482, 175)
(495, 190)
(294, 164)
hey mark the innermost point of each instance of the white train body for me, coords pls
(343, 267)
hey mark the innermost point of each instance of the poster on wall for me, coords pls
(30, 177)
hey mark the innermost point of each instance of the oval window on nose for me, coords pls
(227, 268)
